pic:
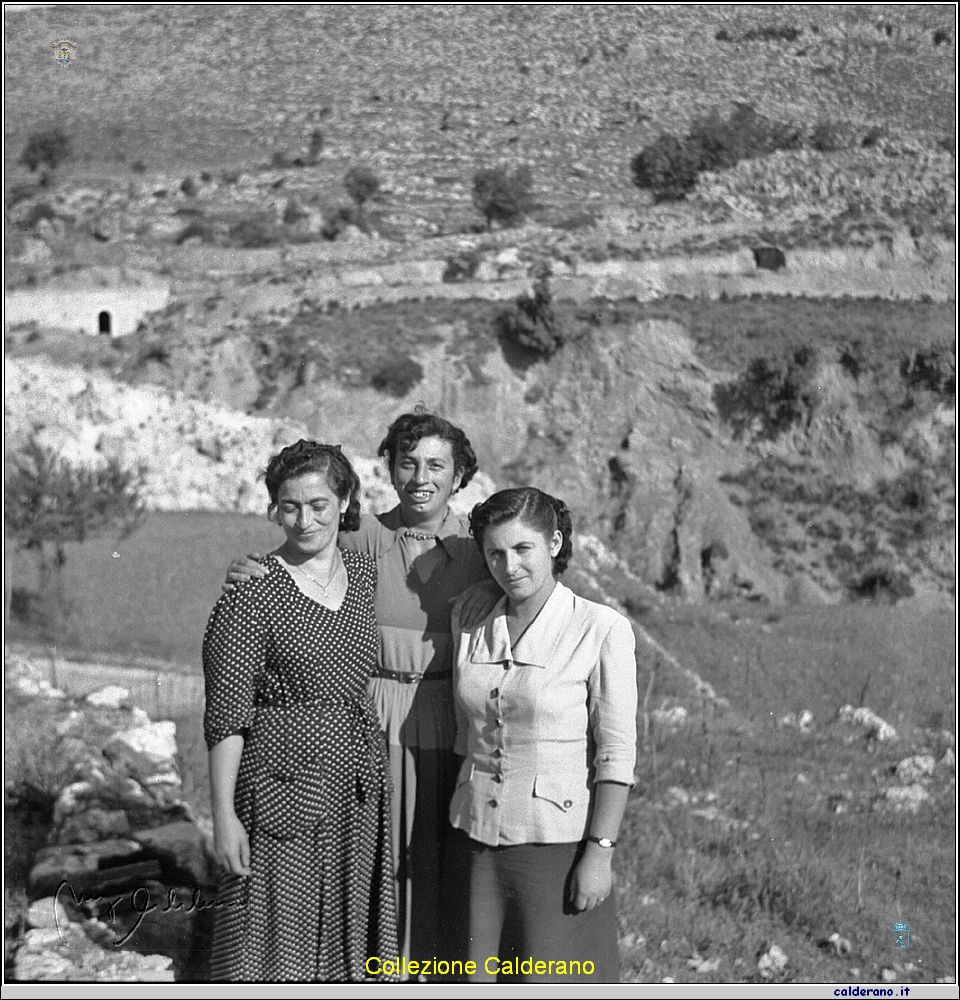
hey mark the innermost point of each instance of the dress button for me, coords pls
(499, 722)
(567, 803)
(497, 752)
(493, 803)
(498, 778)
(495, 693)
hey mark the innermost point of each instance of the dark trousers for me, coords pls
(511, 907)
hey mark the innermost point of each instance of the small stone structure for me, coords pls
(114, 310)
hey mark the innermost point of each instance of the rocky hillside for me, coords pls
(747, 391)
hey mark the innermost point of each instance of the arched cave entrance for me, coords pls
(103, 322)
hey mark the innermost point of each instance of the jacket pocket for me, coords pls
(564, 791)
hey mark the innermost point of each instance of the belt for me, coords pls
(412, 678)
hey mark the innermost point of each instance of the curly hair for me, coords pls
(405, 433)
(534, 508)
(305, 457)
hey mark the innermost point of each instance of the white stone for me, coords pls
(773, 962)
(907, 798)
(111, 696)
(156, 741)
(913, 769)
(48, 912)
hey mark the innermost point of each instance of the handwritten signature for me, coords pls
(141, 904)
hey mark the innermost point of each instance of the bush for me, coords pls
(770, 397)
(501, 196)
(188, 186)
(45, 149)
(336, 223)
(397, 378)
(773, 33)
(254, 233)
(825, 138)
(50, 501)
(668, 168)
(880, 582)
(532, 324)
(362, 184)
(933, 370)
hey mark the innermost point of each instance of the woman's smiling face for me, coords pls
(309, 512)
(520, 559)
(425, 478)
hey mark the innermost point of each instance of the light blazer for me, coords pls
(540, 724)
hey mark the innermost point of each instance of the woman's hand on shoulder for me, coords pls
(231, 844)
(475, 603)
(243, 569)
(592, 879)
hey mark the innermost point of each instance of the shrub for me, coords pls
(188, 186)
(397, 378)
(668, 168)
(773, 33)
(532, 324)
(880, 581)
(293, 212)
(362, 184)
(825, 138)
(254, 233)
(336, 223)
(933, 369)
(50, 501)
(501, 196)
(770, 397)
(45, 149)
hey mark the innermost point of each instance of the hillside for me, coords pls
(794, 446)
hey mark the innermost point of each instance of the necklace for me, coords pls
(324, 587)
(420, 536)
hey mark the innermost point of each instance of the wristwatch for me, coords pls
(602, 841)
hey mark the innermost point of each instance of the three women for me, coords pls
(548, 742)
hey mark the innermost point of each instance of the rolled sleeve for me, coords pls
(613, 705)
(234, 651)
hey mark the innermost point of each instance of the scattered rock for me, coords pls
(110, 696)
(888, 975)
(773, 963)
(906, 798)
(914, 769)
(875, 726)
(803, 721)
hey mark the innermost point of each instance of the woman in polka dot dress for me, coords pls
(299, 783)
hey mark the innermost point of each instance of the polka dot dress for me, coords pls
(312, 789)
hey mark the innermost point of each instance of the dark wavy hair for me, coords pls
(404, 434)
(532, 507)
(304, 457)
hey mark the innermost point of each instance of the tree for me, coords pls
(45, 149)
(501, 196)
(668, 167)
(362, 184)
(50, 501)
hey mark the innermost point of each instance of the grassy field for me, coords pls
(743, 832)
